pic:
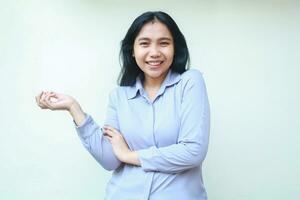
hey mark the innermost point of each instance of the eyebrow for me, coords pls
(163, 38)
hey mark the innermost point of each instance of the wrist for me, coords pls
(131, 157)
(77, 113)
(125, 156)
(74, 107)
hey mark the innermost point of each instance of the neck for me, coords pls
(154, 83)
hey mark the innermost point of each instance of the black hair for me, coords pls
(130, 69)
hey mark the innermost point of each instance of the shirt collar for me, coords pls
(171, 79)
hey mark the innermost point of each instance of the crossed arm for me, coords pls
(110, 149)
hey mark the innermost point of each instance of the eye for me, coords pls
(164, 43)
(144, 43)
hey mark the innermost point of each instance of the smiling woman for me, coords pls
(156, 131)
(154, 51)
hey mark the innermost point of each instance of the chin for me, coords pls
(155, 74)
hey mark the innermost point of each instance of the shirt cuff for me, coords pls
(147, 158)
(87, 128)
(83, 123)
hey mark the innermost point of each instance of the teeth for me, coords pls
(154, 62)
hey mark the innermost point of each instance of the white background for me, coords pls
(249, 54)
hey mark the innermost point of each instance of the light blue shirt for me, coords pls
(170, 134)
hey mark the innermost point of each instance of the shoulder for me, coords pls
(192, 76)
(192, 86)
(115, 92)
(118, 93)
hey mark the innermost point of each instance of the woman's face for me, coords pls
(153, 50)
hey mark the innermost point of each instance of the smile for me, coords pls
(154, 63)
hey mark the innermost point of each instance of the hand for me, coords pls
(120, 147)
(54, 101)
(117, 141)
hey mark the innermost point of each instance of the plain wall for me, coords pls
(248, 52)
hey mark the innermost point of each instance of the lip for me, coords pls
(154, 63)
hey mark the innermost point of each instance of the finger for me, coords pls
(109, 132)
(54, 94)
(39, 102)
(42, 100)
(52, 99)
(48, 102)
(49, 96)
(43, 105)
(107, 135)
(108, 138)
(104, 131)
(51, 93)
(38, 97)
(111, 128)
(40, 94)
(45, 95)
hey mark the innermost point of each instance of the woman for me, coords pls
(156, 131)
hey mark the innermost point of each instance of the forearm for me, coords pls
(93, 140)
(131, 157)
(174, 158)
(77, 113)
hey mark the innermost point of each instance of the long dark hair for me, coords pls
(130, 69)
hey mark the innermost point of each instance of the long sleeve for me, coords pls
(192, 144)
(93, 140)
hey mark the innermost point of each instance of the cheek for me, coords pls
(169, 52)
(139, 55)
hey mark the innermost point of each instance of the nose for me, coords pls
(154, 51)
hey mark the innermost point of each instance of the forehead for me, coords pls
(154, 30)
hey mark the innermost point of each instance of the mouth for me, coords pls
(154, 63)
